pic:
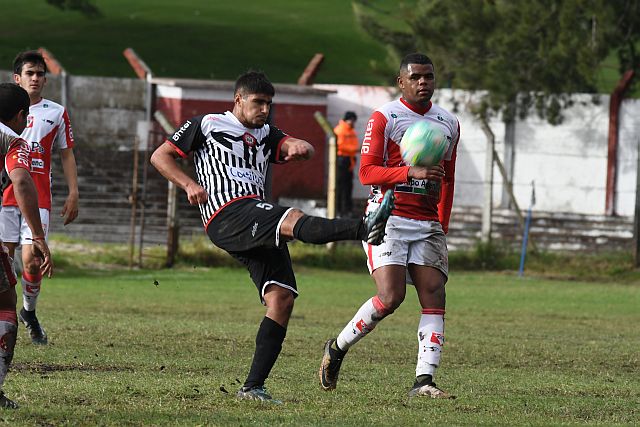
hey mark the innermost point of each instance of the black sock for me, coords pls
(268, 345)
(337, 351)
(313, 229)
(424, 379)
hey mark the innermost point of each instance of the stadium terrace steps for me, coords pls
(105, 212)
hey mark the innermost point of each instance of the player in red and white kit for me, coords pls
(48, 128)
(414, 249)
(14, 159)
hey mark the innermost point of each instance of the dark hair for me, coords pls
(414, 58)
(12, 100)
(350, 115)
(253, 82)
(28, 57)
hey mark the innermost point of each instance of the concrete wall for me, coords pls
(568, 162)
(102, 110)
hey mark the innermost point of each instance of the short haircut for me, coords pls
(414, 58)
(12, 100)
(28, 57)
(253, 82)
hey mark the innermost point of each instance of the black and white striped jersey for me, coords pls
(230, 160)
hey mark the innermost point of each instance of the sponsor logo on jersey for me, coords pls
(249, 140)
(36, 147)
(29, 121)
(246, 175)
(254, 229)
(420, 186)
(176, 136)
(37, 163)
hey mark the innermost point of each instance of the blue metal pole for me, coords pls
(525, 240)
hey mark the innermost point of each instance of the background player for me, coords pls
(47, 128)
(415, 241)
(14, 152)
(347, 142)
(231, 153)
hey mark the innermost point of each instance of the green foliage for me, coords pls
(170, 348)
(525, 56)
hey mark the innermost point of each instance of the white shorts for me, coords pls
(410, 241)
(14, 228)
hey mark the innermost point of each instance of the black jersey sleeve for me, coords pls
(189, 136)
(274, 140)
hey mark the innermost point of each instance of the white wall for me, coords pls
(568, 162)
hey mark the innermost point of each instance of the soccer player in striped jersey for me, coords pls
(231, 152)
(415, 247)
(48, 128)
(14, 152)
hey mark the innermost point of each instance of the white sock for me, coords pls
(30, 290)
(367, 317)
(8, 333)
(430, 341)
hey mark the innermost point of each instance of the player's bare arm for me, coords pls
(70, 208)
(433, 173)
(296, 149)
(164, 159)
(27, 197)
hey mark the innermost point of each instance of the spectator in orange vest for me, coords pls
(348, 146)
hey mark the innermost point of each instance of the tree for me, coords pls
(519, 56)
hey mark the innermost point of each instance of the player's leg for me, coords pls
(317, 230)
(271, 271)
(31, 282)
(8, 326)
(428, 268)
(386, 263)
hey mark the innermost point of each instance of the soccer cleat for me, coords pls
(258, 393)
(30, 321)
(376, 221)
(6, 403)
(428, 388)
(330, 367)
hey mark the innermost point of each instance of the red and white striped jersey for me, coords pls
(14, 152)
(48, 127)
(382, 166)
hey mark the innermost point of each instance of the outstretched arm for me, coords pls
(70, 208)
(164, 159)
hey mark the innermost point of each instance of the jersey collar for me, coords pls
(421, 111)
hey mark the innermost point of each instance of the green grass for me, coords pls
(200, 39)
(127, 351)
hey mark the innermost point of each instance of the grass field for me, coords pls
(170, 347)
(195, 38)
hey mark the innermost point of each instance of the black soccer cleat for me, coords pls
(376, 221)
(428, 388)
(30, 321)
(330, 366)
(6, 403)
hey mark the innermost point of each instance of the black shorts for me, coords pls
(248, 230)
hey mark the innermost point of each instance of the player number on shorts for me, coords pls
(265, 206)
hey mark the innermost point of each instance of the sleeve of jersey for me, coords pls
(372, 171)
(276, 139)
(17, 155)
(188, 137)
(447, 188)
(64, 137)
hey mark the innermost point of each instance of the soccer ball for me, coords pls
(423, 144)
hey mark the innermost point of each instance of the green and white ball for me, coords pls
(423, 144)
